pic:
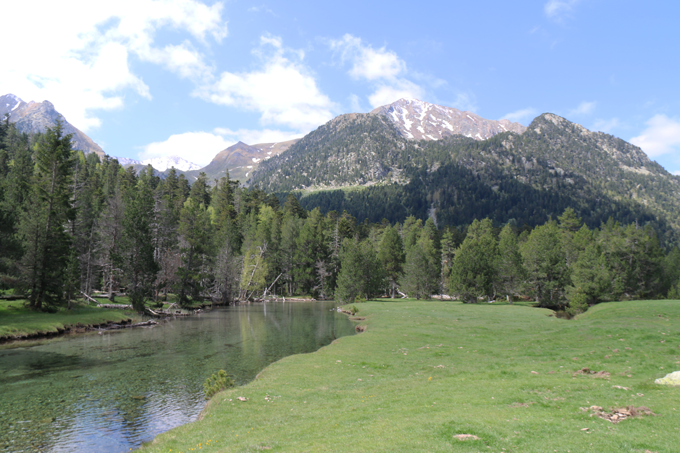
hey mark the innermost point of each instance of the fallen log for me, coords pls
(149, 311)
(115, 306)
(150, 322)
(89, 298)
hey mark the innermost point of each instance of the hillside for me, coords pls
(527, 177)
(240, 160)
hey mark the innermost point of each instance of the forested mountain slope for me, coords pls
(527, 177)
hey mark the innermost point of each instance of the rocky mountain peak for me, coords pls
(419, 120)
(34, 117)
(567, 138)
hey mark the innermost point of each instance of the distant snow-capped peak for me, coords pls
(11, 102)
(419, 120)
(164, 163)
(161, 163)
(124, 161)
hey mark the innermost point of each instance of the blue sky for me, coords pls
(147, 78)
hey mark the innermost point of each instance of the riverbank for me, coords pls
(18, 322)
(510, 378)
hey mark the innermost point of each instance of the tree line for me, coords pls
(72, 224)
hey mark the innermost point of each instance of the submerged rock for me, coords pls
(670, 379)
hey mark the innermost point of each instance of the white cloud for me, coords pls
(676, 172)
(556, 9)
(355, 103)
(283, 89)
(521, 115)
(201, 147)
(256, 136)
(465, 101)
(584, 108)
(81, 62)
(196, 147)
(368, 63)
(606, 125)
(261, 9)
(398, 89)
(384, 68)
(662, 136)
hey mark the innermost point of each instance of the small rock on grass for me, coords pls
(466, 437)
(670, 379)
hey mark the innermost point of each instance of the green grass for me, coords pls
(426, 371)
(17, 320)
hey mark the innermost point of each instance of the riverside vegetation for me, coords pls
(425, 372)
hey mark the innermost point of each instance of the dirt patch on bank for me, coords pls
(591, 373)
(616, 415)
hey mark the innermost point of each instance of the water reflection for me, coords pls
(113, 391)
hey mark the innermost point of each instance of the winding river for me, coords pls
(110, 391)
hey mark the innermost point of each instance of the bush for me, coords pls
(354, 310)
(674, 292)
(216, 383)
(578, 303)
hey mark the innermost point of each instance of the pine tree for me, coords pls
(509, 268)
(421, 276)
(474, 267)
(195, 230)
(45, 238)
(590, 278)
(545, 263)
(391, 255)
(137, 251)
(361, 274)
(110, 230)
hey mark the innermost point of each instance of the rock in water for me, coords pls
(670, 379)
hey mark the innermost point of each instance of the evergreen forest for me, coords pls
(73, 224)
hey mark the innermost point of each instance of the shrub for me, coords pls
(578, 303)
(216, 383)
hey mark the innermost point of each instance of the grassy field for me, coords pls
(17, 320)
(424, 372)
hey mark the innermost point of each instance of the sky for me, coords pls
(153, 78)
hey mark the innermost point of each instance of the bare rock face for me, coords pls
(33, 117)
(418, 120)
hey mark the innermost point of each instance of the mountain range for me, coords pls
(369, 166)
(415, 158)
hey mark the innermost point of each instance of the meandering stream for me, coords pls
(111, 391)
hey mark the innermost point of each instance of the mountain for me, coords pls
(165, 163)
(420, 120)
(240, 160)
(33, 117)
(525, 177)
(126, 161)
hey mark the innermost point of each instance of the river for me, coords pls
(111, 391)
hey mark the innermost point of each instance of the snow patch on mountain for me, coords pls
(124, 161)
(161, 163)
(419, 120)
(165, 163)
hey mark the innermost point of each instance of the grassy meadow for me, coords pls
(426, 371)
(17, 320)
